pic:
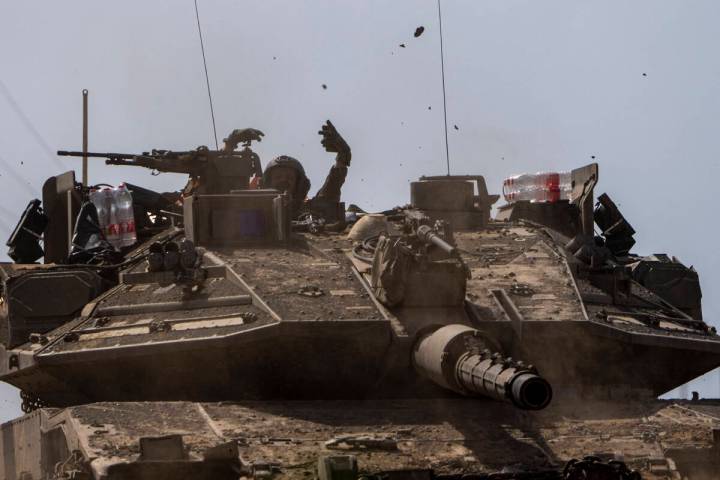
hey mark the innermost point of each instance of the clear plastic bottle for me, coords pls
(538, 187)
(96, 197)
(125, 216)
(102, 199)
(112, 232)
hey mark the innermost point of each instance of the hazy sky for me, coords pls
(531, 85)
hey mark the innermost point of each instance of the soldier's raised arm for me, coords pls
(333, 142)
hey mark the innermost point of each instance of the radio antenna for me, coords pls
(442, 70)
(207, 78)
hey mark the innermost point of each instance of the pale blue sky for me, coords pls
(531, 85)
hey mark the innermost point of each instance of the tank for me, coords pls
(229, 342)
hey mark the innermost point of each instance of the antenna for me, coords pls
(85, 138)
(442, 70)
(207, 78)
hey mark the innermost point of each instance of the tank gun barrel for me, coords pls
(428, 236)
(456, 357)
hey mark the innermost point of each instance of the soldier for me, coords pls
(287, 174)
(224, 171)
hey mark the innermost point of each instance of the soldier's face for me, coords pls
(283, 179)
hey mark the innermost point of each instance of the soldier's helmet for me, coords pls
(302, 183)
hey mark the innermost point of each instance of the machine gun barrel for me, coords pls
(428, 236)
(445, 357)
(161, 163)
(122, 161)
(126, 156)
(161, 160)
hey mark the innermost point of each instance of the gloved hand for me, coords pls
(243, 135)
(332, 140)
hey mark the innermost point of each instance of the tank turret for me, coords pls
(227, 342)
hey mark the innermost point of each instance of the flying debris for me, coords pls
(402, 45)
(456, 127)
(419, 31)
(15, 107)
(12, 172)
(429, 107)
(324, 86)
(644, 74)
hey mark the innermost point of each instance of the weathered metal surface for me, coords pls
(314, 353)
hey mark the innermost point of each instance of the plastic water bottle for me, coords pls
(538, 187)
(102, 199)
(96, 197)
(125, 216)
(112, 232)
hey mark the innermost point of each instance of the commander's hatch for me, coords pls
(61, 203)
(584, 180)
(461, 200)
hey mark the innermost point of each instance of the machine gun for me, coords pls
(420, 268)
(210, 171)
(190, 162)
(433, 238)
(429, 236)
